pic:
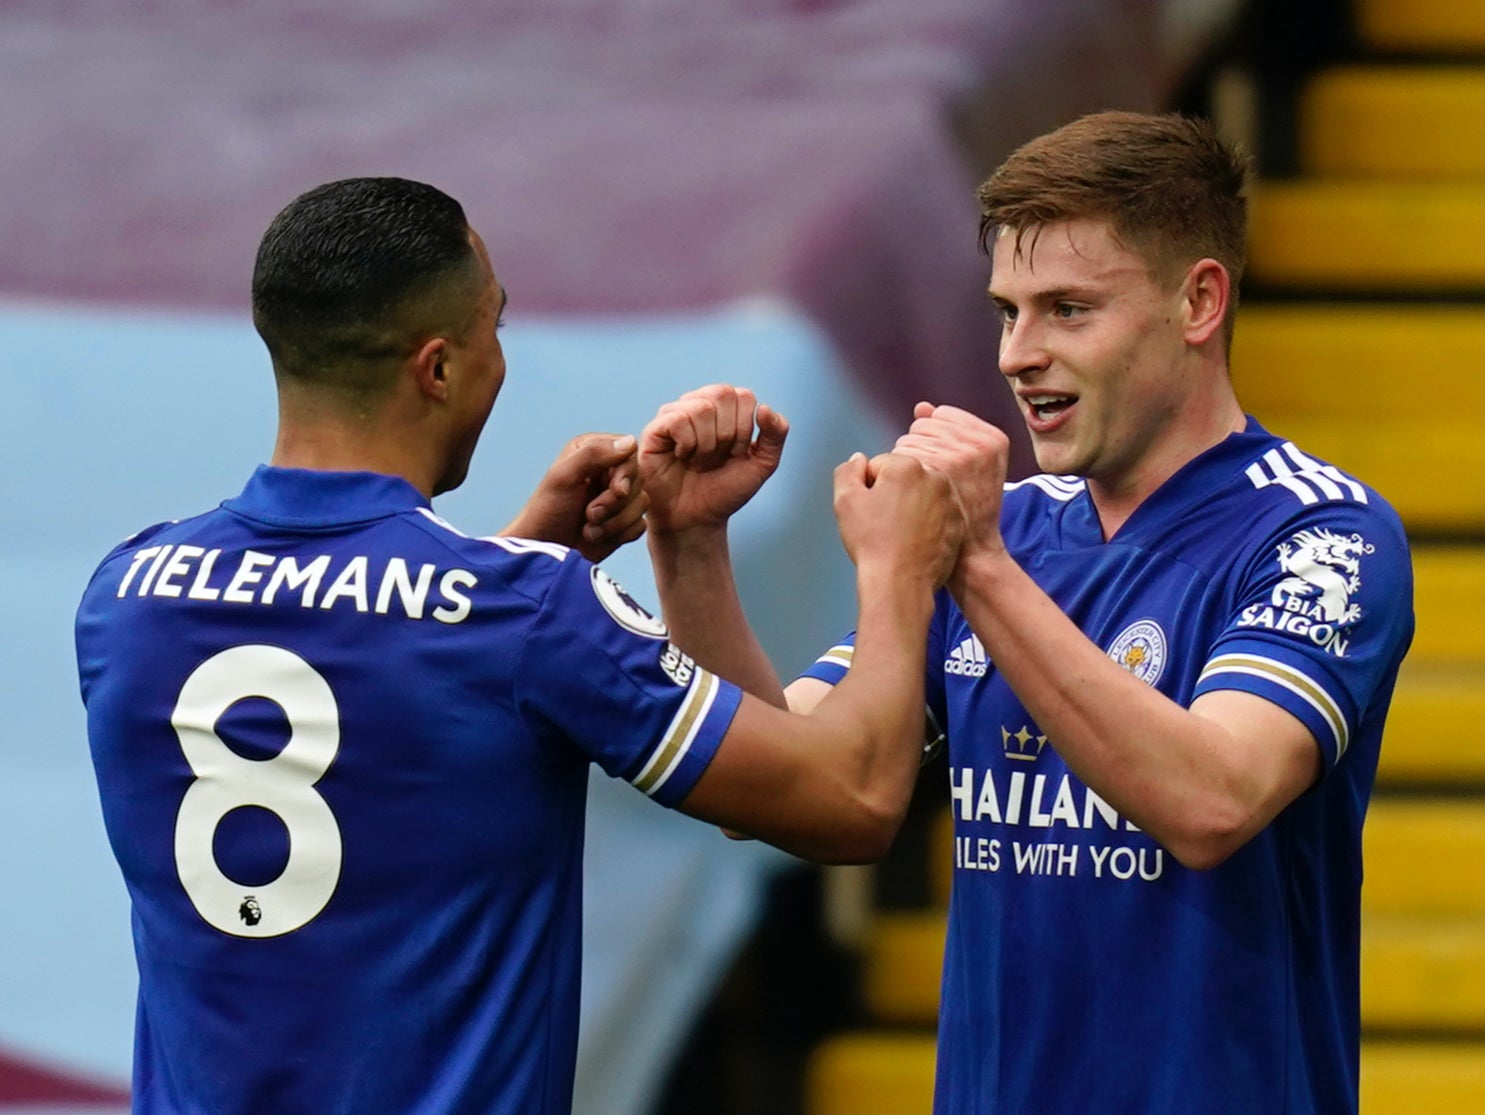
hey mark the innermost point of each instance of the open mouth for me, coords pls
(1047, 407)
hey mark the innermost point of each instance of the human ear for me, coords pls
(430, 368)
(1205, 298)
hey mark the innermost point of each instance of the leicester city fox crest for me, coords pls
(1140, 649)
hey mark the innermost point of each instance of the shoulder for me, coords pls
(153, 536)
(1291, 477)
(1291, 497)
(525, 565)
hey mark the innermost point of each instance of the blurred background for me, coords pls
(776, 193)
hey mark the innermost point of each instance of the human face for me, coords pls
(477, 366)
(1095, 351)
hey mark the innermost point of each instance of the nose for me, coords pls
(1022, 347)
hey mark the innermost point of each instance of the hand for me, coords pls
(899, 514)
(973, 454)
(699, 461)
(590, 499)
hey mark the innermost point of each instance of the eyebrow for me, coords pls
(1056, 294)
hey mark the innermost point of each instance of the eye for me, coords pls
(1067, 310)
(1007, 312)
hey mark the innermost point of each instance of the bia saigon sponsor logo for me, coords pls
(1313, 600)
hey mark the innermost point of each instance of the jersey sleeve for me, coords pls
(603, 672)
(1323, 617)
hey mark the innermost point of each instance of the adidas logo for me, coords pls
(967, 659)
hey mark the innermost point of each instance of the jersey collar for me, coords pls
(1197, 479)
(311, 497)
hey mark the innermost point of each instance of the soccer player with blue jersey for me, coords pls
(343, 748)
(1162, 666)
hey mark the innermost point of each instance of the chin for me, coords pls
(1048, 457)
(450, 480)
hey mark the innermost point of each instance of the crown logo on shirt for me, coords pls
(1023, 746)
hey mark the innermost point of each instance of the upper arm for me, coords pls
(803, 694)
(1271, 750)
(1321, 622)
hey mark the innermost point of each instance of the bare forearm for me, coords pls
(835, 784)
(699, 600)
(885, 682)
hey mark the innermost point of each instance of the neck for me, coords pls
(349, 441)
(1116, 498)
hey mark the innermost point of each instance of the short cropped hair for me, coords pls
(357, 272)
(1172, 191)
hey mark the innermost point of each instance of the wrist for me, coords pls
(982, 565)
(689, 551)
(881, 584)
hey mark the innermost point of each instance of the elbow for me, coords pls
(1207, 841)
(864, 836)
(1201, 855)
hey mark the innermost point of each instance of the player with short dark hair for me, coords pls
(1162, 666)
(342, 748)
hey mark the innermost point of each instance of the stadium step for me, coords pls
(1432, 471)
(1419, 974)
(1357, 362)
(1453, 27)
(1449, 601)
(1414, 122)
(1368, 236)
(892, 1074)
(1321, 375)
(903, 962)
(1423, 975)
(1422, 1078)
(1434, 732)
(1425, 857)
(880, 1072)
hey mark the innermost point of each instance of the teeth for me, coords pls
(1047, 400)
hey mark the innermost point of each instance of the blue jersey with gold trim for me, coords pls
(343, 752)
(1087, 970)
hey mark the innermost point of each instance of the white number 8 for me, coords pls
(283, 785)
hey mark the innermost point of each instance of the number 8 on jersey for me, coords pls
(283, 785)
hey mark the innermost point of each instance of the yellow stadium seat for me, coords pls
(1423, 974)
(1394, 122)
(1369, 235)
(1431, 471)
(1417, 1078)
(1436, 729)
(1343, 383)
(1356, 362)
(1425, 858)
(1417, 973)
(881, 1073)
(893, 1075)
(1429, 26)
(1449, 601)
(903, 961)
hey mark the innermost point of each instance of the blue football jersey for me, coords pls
(1085, 969)
(342, 751)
